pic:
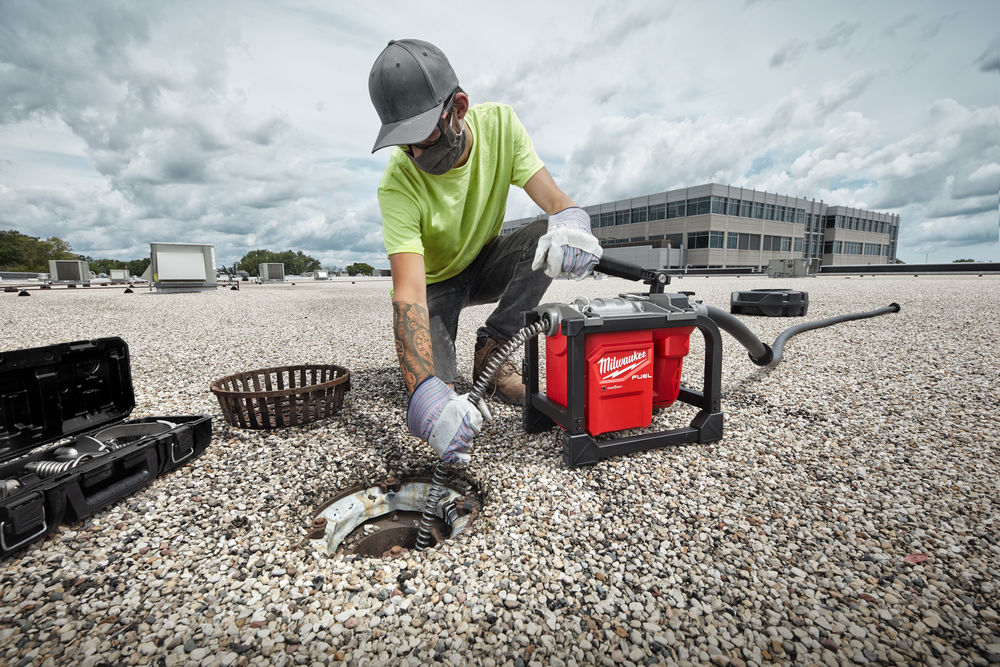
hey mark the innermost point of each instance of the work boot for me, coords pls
(507, 385)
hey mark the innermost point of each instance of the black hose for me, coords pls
(760, 353)
(779, 342)
(765, 355)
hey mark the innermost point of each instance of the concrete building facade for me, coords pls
(724, 226)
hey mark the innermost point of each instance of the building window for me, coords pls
(800, 215)
(733, 207)
(697, 240)
(777, 243)
(699, 206)
(798, 245)
(607, 219)
(676, 209)
(745, 208)
(719, 205)
(621, 218)
(639, 214)
(740, 241)
(779, 212)
(656, 211)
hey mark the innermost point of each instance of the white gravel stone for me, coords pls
(871, 441)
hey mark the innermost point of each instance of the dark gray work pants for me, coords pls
(501, 273)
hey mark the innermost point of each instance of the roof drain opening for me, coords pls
(382, 521)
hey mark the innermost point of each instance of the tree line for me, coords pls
(30, 254)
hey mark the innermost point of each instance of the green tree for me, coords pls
(105, 265)
(296, 263)
(20, 252)
(137, 267)
(253, 259)
(360, 267)
(959, 261)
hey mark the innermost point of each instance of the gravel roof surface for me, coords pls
(786, 541)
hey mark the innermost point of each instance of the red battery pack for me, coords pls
(628, 372)
(670, 346)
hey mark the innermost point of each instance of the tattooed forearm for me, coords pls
(411, 325)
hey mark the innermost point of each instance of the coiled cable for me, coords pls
(479, 387)
(49, 468)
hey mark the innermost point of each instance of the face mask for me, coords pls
(444, 154)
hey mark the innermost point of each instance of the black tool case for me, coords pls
(66, 447)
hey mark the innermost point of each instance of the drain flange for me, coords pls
(381, 521)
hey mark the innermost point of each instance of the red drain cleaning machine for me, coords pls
(611, 362)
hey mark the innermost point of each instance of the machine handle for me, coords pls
(620, 269)
(656, 279)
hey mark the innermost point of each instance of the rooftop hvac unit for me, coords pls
(119, 275)
(790, 268)
(69, 270)
(272, 272)
(182, 267)
(321, 275)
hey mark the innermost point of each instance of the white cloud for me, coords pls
(248, 124)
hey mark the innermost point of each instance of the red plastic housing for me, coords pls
(628, 373)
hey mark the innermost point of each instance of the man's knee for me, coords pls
(527, 237)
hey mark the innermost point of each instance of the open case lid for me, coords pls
(58, 391)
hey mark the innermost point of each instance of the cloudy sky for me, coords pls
(247, 124)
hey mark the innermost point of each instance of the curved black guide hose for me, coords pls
(763, 354)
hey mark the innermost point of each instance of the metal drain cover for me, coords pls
(381, 521)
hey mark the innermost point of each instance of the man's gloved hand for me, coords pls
(444, 419)
(568, 249)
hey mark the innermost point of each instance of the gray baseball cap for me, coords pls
(409, 84)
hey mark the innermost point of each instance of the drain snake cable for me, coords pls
(479, 388)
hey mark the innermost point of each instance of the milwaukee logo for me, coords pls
(612, 367)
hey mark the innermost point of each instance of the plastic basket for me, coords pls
(283, 396)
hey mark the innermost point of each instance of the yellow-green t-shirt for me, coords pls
(449, 218)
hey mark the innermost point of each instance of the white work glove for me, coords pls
(447, 421)
(568, 249)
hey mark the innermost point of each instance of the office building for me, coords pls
(724, 226)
